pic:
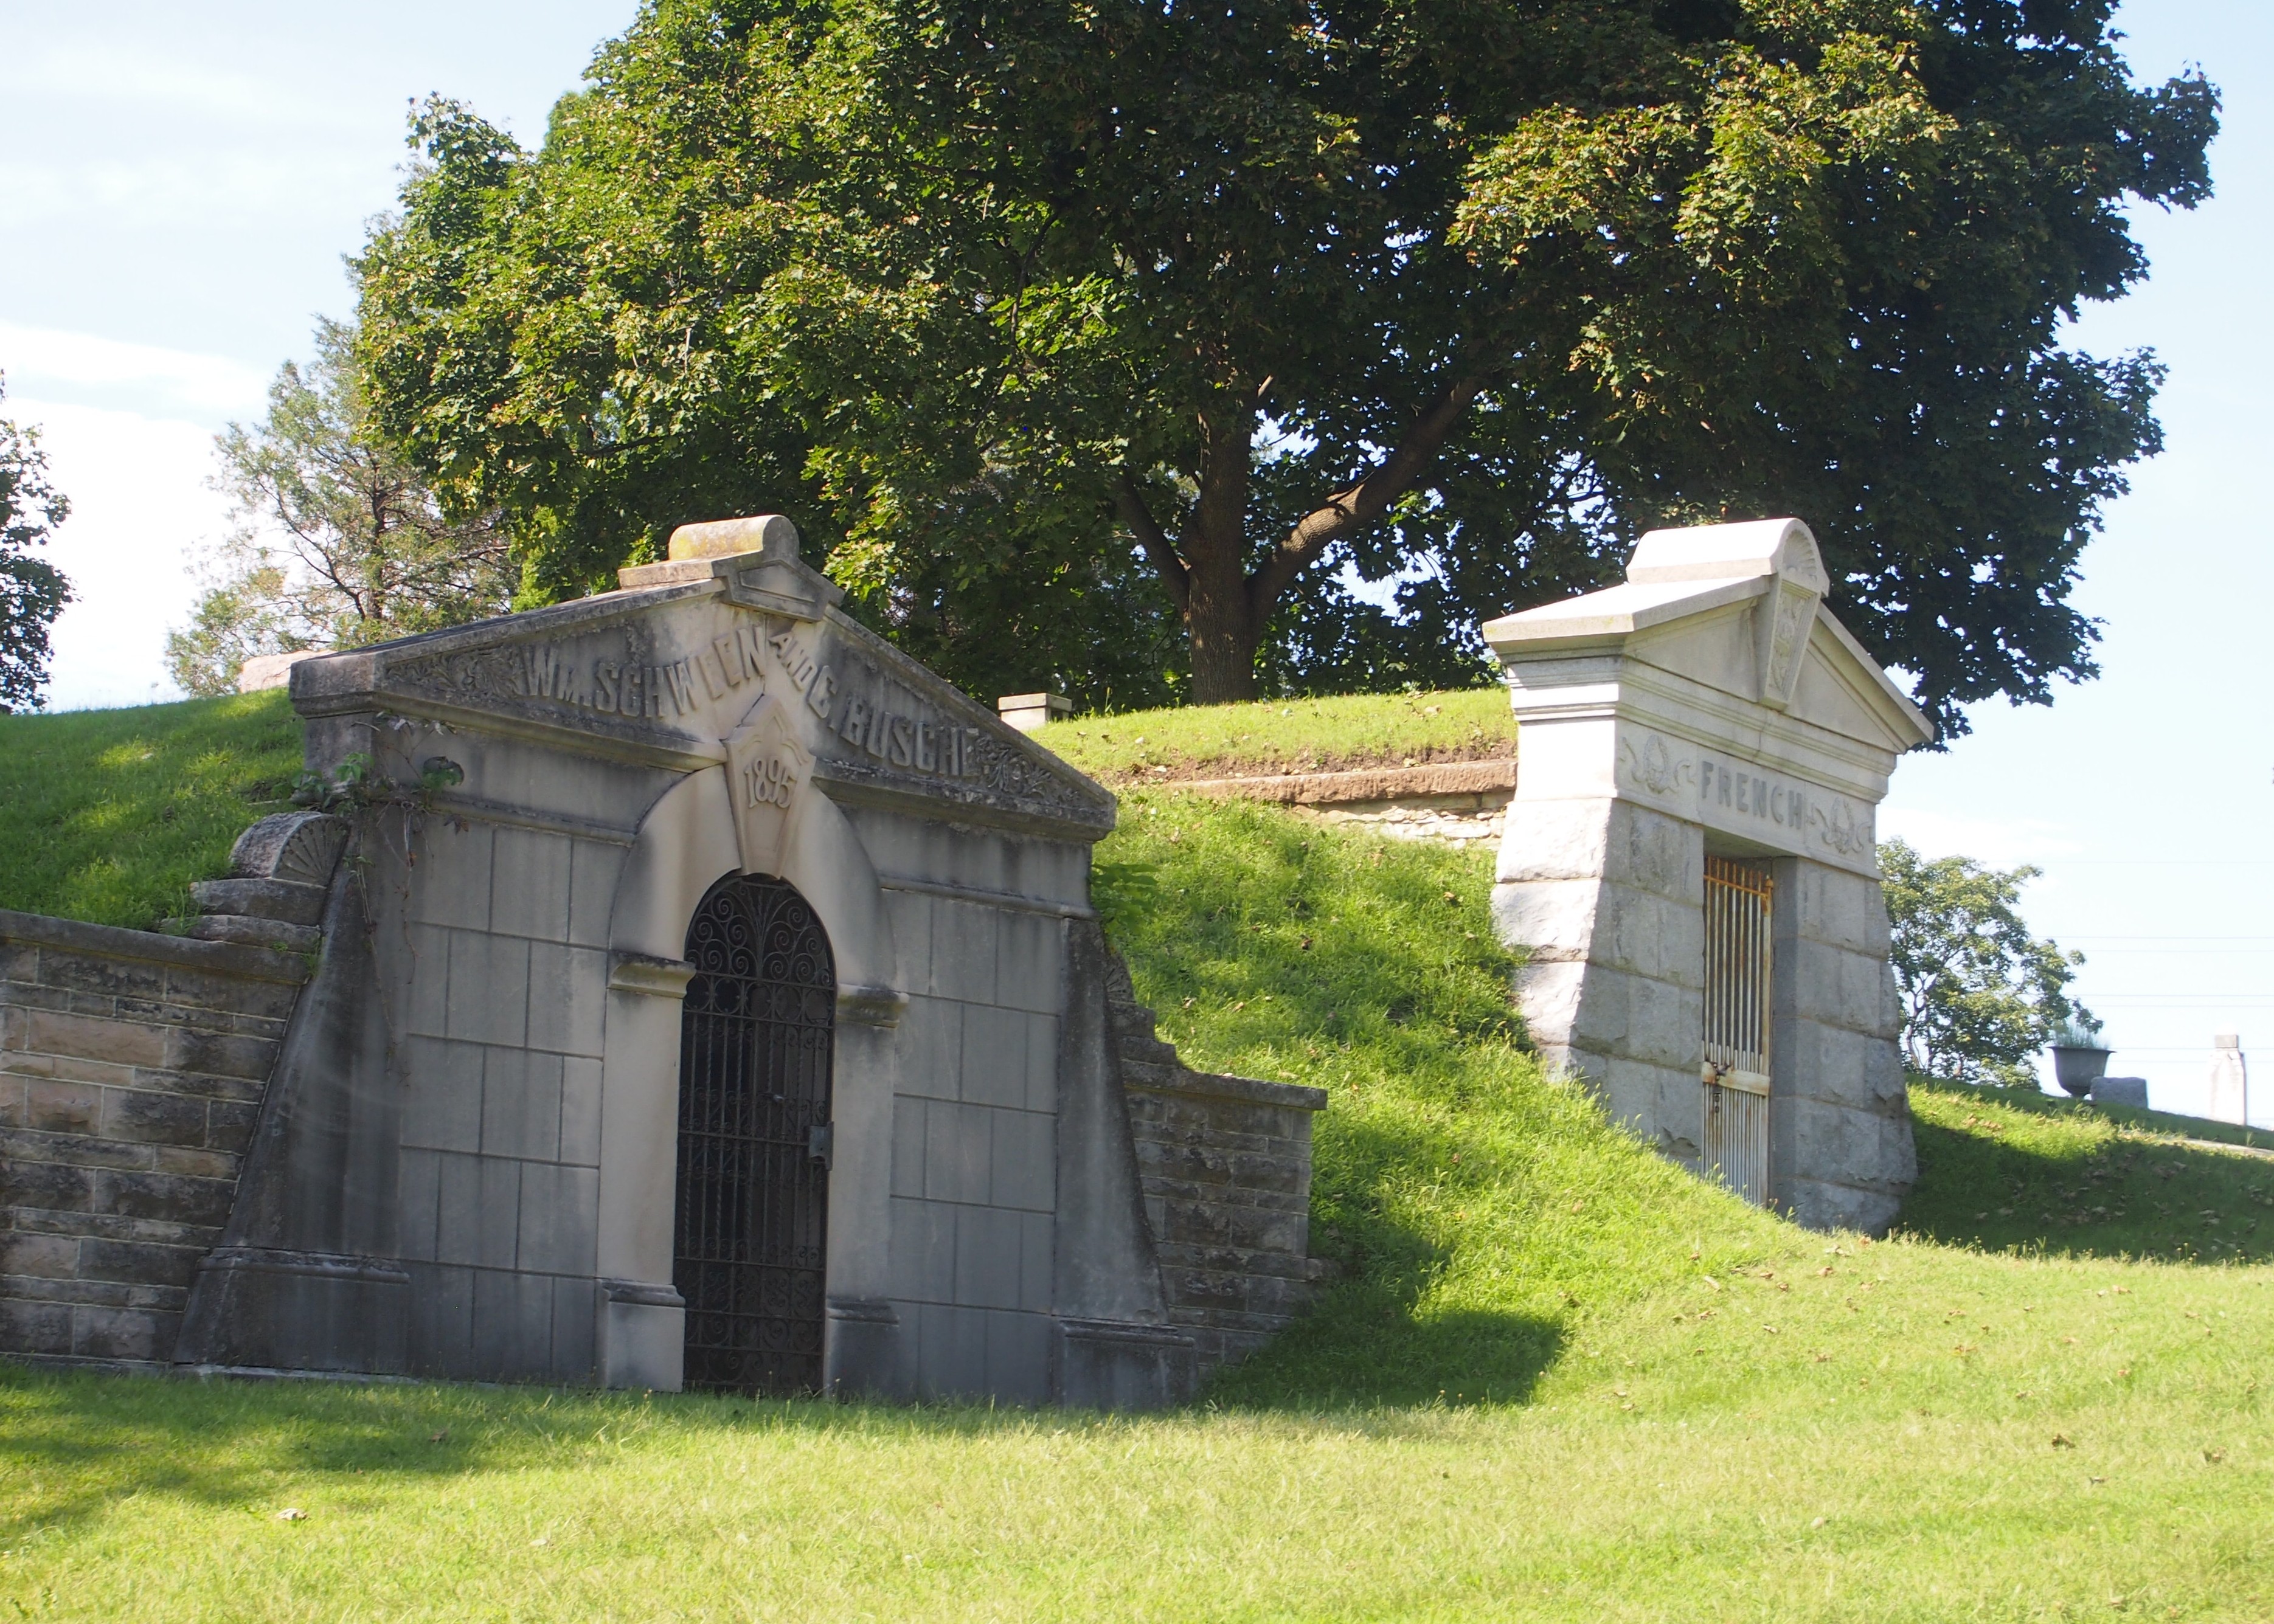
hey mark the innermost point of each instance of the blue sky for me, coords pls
(182, 183)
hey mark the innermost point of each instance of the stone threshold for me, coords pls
(1495, 778)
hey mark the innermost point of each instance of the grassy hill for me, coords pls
(1297, 735)
(108, 815)
(1561, 1380)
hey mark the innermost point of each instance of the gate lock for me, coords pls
(821, 1145)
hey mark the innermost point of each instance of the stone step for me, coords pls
(286, 900)
(250, 930)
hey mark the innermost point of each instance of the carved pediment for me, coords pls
(668, 674)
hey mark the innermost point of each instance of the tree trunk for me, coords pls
(1205, 569)
(1219, 613)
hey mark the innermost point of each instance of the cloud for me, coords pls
(74, 366)
(141, 512)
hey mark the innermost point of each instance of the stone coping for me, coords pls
(1157, 1078)
(260, 964)
(1364, 784)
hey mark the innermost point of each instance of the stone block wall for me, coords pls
(1461, 803)
(132, 1069)
(975, 1146)
(1608, 899)
(1224, 1166)
(500, 1051)
(1840, 1121)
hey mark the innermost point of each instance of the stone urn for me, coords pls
(2076, 1067)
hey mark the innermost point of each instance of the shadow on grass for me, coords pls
(75, 1445)
(1366, 1348)
(1377, 1340)
(2045, 1178)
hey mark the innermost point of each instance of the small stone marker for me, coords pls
(266, 671)
(2132, 1091)
(1030, 712)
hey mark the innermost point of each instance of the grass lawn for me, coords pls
(1560, 1381)
(108, 815)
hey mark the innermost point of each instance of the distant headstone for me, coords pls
(2230, 1080)
(270, 670)
(2132, 1091)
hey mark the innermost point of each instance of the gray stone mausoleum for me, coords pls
(708, 994)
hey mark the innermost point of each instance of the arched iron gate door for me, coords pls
(753, 1069)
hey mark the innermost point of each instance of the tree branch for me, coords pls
(1129, 502)
(1348, 511)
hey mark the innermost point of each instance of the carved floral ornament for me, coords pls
(1721, 791)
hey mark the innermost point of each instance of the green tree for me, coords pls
(1459, 296)
(32, 592)
(1980, 995)
(338, 540)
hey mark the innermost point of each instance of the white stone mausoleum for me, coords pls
(1691, 860)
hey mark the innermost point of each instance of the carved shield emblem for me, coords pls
(766, 769)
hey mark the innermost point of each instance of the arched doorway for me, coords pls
(755, 1055)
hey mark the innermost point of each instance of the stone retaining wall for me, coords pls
(132, 1067)
(1457, 803)
(1223, 1164)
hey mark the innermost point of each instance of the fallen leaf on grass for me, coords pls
(2061, 1441)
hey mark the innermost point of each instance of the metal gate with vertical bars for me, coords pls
(1735, 1077)
(755, 1054)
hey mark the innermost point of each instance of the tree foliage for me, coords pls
(338, 540)
(1459, 295)
(1980, 995)
(32, 592)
